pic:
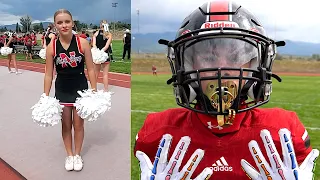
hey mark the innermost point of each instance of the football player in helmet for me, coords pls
(221, 62)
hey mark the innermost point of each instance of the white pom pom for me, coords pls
(92, 105)
(5, 51)
(47, 112)
(104, 56)
(99, 56)
(95, 55)
(42, 53)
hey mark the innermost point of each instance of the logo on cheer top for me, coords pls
(65, 60)
(218, 24)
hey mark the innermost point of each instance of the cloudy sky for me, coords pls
(83, 10)
(283, 19)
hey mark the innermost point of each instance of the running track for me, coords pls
(28, 151)
(116, 79)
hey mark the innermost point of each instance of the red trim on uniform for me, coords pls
(79, 44)
(219, 6)
(54, 46)
(67, 104)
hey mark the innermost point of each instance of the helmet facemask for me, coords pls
(213, 72)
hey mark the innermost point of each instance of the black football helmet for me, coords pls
(221, 61)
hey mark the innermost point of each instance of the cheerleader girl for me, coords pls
(68, 54)
(10, 42)
(48, 36)
(102, 40)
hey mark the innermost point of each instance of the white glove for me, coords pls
(162, 170)
(288, 169)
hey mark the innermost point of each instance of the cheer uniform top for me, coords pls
(69, 65)
(48, 39)
(101, 42)
(12, 43)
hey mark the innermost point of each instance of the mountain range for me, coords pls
(13, 26)
(45, 24)
(148, 43)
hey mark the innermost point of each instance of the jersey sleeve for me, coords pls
(300, 139)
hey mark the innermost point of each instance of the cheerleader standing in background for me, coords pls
(48, 36)
(10, 42)
(69, 53)
(102, 40)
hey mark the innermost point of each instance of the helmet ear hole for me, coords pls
(190, 93)
(254, 90)
(250, 91)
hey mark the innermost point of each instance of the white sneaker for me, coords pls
(69, 163)
(78, 163)
(11, 72)
(18, 72)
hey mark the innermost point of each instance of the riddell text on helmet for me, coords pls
(222, 168)
(218, 24)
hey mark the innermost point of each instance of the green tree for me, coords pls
(41, 27)
(26, 23)
(36, 27)
(17, 28)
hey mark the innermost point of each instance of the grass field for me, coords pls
(117, 66)
(144, 62)
(298, 94)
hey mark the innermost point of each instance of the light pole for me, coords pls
(114, 19)
(138, 12)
